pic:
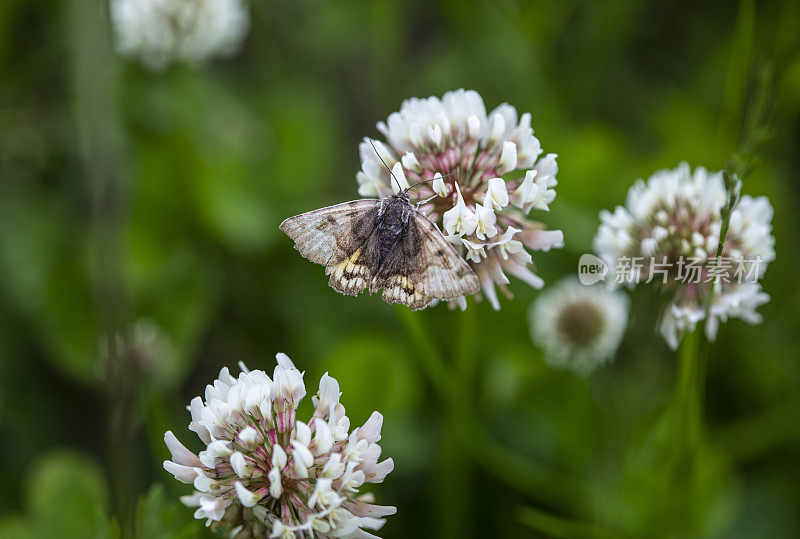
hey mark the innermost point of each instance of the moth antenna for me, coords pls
(399, 187)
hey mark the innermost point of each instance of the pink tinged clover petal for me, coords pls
(180, 454)
(361, 509)
(517, 265)
(184, 474)
(541, 240)
(379, 472)
(371, 430)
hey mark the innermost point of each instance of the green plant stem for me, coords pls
(427, 358)
(689, 393)
(466, 441)
(551, 525)
(457, 476)
(94, 87)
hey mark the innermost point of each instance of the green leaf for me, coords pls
(67, 497)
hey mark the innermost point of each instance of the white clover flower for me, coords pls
(668, 233)
(162, 31)
(486, 176)
(264, 473)
(578, 326)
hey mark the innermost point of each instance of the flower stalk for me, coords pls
(99, 131)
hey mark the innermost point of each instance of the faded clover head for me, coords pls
(160, 32)
(265, 473)
(486, 175)
(668, 233)
(578, 326)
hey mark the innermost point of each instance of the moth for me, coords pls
(384, 243)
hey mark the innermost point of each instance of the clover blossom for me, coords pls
(264, 473)
(668, 233)
(162, 31)
(578, 326)
(483, 175)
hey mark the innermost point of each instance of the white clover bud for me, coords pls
(460, 220)
(496, 194)
(248, 499)
(249, 436)
(439, 187)
(486, 221)
(578, 326)
(410, 162)
(275, 487)
(508, 158)
(279, 457)
(399, 176)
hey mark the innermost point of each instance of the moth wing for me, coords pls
(331, 235)
(353, 274)
(425, 268)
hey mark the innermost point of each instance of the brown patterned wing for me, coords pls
(330, 235)
(336, 237)
(425, 268)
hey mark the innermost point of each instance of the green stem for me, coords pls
(551, 525)
(457, 470)
(466, 440)
(688, 404)
(428, 358)
(94, 88)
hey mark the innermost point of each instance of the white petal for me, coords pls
(279, 458)
(323, 437)
(239, 465)
(302, 433)
(275, 488)
(410, 162)
(496, 194)
(184, 474)
(474, 127)
(179, 453)
(248, 499)
(508, 157)
(249, 435)
(439, 187)
(399, 182)
(371, 430)
(301, 454)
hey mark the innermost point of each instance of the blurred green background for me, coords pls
(131, 197)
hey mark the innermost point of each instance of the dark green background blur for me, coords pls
(172, 217)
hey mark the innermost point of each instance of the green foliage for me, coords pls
(65, 496)
(487, 439)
